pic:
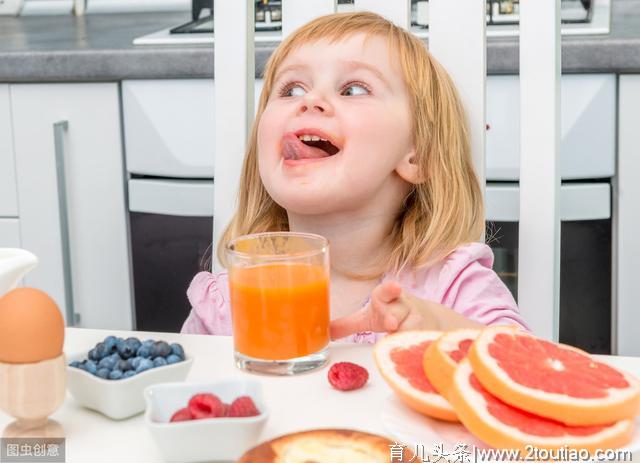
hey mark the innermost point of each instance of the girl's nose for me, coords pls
(312, 102)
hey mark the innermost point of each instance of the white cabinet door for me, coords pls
(627, 217)
(94, 192)
(9, 233)
(8, 198)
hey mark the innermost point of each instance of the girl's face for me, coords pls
(336, 128)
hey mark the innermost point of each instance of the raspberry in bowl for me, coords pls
(205, 421)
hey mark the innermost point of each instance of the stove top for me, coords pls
(502, 17)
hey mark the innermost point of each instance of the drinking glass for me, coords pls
(279, 288)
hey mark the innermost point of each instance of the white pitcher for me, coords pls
(14, 264)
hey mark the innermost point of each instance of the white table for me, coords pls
(296, 403)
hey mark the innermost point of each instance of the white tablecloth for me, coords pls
(296, 403)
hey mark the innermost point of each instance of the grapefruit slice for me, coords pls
(502, 426)
(399, 358)
(442, 357)
(552, 380)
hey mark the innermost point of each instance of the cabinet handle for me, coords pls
(59, 129)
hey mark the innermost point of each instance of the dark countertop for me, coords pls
(99, 48)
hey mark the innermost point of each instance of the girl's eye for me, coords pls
(355, 90)
(292, 90)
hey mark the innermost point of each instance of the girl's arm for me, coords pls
(392, 310)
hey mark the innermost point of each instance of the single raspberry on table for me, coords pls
(243, 406)
(206, 406)
(181, 415)
(346, 376)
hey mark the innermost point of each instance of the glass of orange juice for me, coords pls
(279, 288)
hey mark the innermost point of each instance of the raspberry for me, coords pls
(243, 406)
(181, 415)
(205, 406)
(346, 376)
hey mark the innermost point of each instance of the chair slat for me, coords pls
(234, 64)
(539, 230)
(457, 39)
(397, 11)
(295, 13)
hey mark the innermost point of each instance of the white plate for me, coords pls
(422, 434)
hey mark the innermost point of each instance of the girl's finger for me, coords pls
(386, 292)
(350, 324)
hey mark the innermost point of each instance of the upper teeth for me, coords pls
(310, 138)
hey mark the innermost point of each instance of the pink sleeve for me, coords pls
(208, 294)
(469, 286)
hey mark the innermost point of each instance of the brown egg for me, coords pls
(31, 327)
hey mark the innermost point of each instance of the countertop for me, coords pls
(99, 48)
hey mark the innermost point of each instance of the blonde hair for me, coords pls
(442, 212)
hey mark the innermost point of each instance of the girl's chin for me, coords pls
(307, 205)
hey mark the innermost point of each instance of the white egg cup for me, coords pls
(30, 392)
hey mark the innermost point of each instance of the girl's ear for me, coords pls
(409, 170)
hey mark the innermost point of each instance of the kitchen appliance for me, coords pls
(577, 17)
(587, 166)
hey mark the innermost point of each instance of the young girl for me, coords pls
(360, 137)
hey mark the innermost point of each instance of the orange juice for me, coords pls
(280, 311)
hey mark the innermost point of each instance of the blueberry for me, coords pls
(101, 351)
(115, 356)
(75, 364)
(115, 374)
(149, 343)
(128, 348)
(103, 373)
(93, 355)
(110, 343)
(159, 362)
(119, 344)
(128, 374)
(108, 363)
(134, 343)
(177, 349)
(135, 362)
(145, 364)
(90, 366)
(144, 351)
(160, 349)
(124, 365)
(173, 359)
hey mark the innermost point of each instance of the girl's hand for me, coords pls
(391, 310)
(386, 311)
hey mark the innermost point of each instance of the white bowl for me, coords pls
(204, 439)
(119, 398)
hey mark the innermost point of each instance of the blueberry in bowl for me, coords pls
(111, 376)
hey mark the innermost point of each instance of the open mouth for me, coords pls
(303, 145)
(320, 143)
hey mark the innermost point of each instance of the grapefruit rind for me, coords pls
(438, 364)
(430, 404)
(471, 407)
(619, 405)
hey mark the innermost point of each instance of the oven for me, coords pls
(585, 257)
(587, 167)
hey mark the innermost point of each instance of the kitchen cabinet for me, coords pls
(8, 197)
(627, 216)
(72, 213)
(9, 233)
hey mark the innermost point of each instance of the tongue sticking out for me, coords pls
(293, 148)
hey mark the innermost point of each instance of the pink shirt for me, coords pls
(464, 281)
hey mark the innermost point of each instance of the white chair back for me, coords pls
(457, 38)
